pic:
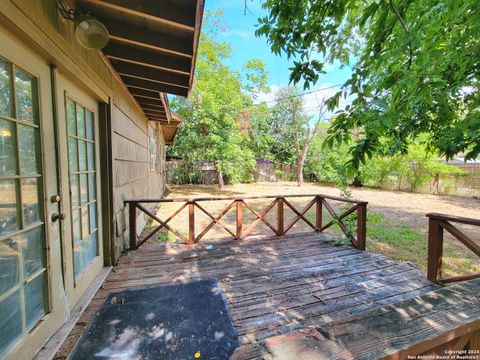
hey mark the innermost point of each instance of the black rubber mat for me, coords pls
(184, 321)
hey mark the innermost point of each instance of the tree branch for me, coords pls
(404, 25)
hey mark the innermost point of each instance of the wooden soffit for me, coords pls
(170, 129)
(153, 47)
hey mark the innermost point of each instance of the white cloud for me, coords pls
(270, 96)
(312, 100)
(237, 33)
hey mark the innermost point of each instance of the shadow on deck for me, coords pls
(273, 286)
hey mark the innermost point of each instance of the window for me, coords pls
(152, 151)
(23, 275)
(82, 174)
(161, 160)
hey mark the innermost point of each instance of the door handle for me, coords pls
(57, 216)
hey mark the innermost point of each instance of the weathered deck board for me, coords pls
(277, 285)
(443, 319)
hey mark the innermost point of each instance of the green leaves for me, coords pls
(309, 71)
(333, 102)
(211, 130)
(368, 13)
(417, 67)
(255, 77)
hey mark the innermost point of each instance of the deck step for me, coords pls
(447, 317)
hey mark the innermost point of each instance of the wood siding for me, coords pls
(38, 24)
(132, 176)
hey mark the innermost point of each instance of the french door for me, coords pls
(79, 156)
(50, 225)
(31, 304)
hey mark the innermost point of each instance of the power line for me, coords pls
(299, 95)
(307, 108)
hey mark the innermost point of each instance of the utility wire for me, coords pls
(298, 95)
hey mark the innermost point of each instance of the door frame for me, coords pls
(106, 182)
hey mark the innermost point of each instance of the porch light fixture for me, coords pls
(90, 32)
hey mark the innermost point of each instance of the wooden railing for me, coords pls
(242, 229)
(437, 223)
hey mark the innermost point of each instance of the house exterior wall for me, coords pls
(38, 24)
(132, 173)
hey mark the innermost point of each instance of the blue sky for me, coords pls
(238, 29)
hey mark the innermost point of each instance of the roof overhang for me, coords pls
(170, 130)
(153, 47)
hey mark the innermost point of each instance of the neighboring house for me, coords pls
(80, 132)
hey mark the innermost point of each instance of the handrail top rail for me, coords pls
(453, 218)
(194, 199)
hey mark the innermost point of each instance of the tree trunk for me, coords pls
(357, 182)
(300, 172)
(220, 179)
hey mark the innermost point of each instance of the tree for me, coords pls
(416, 69)
(294, 128)
(255, 78)
(411, 171)
(262, 141)
(210, 131)
(317, 154)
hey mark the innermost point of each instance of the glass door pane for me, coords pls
(23, 268)
(82, 180)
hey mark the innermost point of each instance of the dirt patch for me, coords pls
(411, 207)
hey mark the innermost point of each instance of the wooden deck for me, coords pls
(273, 286)
(440, 324)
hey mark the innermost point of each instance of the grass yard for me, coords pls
(396, 222)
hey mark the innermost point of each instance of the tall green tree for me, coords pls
(292, 129)
(261, 140)
(210, 131)
(271, 135)
(415, 71)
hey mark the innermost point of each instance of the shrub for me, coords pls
(278, 174)
(186, 174)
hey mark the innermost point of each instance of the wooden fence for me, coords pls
(437, 223)
(242, 228)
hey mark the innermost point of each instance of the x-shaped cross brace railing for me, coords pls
(163, 224)
(300, 215)
(260, 217)
(215, 220)
(338, 219)
(279, 201)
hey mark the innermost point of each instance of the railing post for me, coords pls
(132, 223)
(435, 249)
(361, 226)
(191, 222)
(239, 217)
(319, 214)
(280, 225)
